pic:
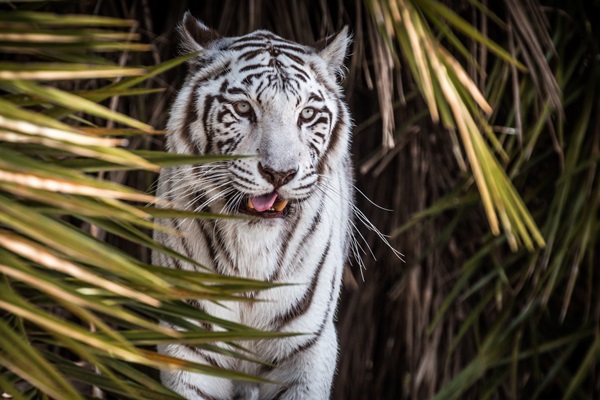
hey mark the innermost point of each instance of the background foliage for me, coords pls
(467, 115)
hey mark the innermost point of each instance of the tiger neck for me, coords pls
(256, 249)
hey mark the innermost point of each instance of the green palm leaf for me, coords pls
(454, 98)
(73, 307)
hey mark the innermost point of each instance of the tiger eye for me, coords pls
(308, 113)
(242, 107)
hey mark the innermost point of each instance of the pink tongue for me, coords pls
(264, 202)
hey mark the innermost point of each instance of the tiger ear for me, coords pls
(333, 49)
(196, 36)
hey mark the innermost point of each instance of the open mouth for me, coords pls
(266, 206)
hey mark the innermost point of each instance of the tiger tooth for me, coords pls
(280, 205)
(250, 205)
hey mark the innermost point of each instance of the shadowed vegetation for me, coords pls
(477, 123)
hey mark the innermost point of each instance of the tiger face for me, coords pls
(267, 98)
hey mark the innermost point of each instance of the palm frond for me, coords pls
(453, 98)
(75, 311)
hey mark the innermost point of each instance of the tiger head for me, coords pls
(265, 97)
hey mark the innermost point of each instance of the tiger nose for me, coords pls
(276, 178)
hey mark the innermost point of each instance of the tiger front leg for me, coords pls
(309, 373)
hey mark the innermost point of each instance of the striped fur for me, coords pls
(297, 128)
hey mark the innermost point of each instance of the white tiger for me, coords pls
(262, 95)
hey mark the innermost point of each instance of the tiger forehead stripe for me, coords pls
(255, 53)
(271, 44)
(275, 47)
(252, 66)
(263, 36)
(235, 90)
(316, 97)
(300, 73)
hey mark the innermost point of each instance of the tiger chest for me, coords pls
(306, 259)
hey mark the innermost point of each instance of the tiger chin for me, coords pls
(279, 104)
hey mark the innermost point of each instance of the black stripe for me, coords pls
(247, 44)
(199, 199)
(302, 306)
(309, 174)
(317, 153)
(319, 134)
(190, 111)
(252, 54)
(229, 145)
(265, 39)
(307, 186)
(171, 223)
(252, 67)
(186, 250)
(239, 168)
(272, 36)
(287, 83)
(200, 392)
(221, 116)
(224, 86)
(196, 304)
(300, 77)
(316, 97)
(208, 238)
(281, 392)
(310, 342)
(235, 90)
(317, 335)
(191, 116)
(320, 120)
(216, 245)
(262, 86)
(250, 78)
(208, 102)
(290, 46)
(283, 251)
(294, 58)
(313, 226)
(200, 307)
(177, 263)
(244, 180)
(222, 72)
(262, 38)
(225, 251)
(210, 360)
(336, 135)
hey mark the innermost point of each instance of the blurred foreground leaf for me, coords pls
(74, 308)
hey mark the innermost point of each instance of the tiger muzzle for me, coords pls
(277, 178)
(270, 205)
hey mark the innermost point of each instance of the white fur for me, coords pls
(256, 249)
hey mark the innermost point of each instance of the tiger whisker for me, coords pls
(233, 204)
(363, 219)
(355, 244)
(213, 198)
